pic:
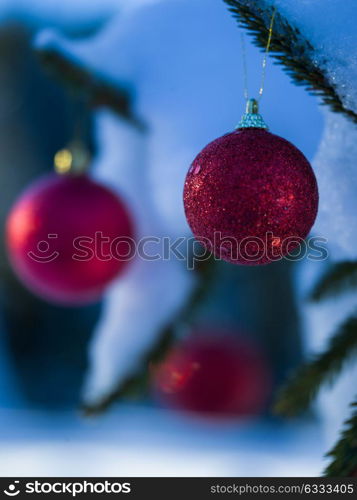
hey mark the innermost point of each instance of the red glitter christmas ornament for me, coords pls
(67, 237)
(214, 374)
(250, 196)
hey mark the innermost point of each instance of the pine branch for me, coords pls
(298, 394)
(290, 50)
(94, 90)
(342, 277)
(344, 453)
(138, 383)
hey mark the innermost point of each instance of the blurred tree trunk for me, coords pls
(46, 344)
(258, 302)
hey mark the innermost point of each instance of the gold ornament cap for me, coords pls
(73, 160)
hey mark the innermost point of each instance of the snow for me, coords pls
(330, 26)
(128, 328)
(72, 16)
(335, 167)
(319, 322)
(137, 441)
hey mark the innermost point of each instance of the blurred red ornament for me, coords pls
(214, 375)
(250, 196)
(65, 238)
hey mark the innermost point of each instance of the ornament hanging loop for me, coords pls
(252, 106)
(251, 117)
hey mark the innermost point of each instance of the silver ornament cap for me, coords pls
(251, 117)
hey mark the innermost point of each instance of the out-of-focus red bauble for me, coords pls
(65, 238)
(214, 375)
(250, 197)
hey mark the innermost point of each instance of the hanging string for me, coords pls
(264, 61)
(75, 157)
(245, 68)
(265, 58)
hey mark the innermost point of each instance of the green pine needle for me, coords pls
(342, 277)
(94, 90)
(344, 453)
(290, 49)
(298, 394)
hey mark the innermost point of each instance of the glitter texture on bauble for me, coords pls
(250, 196)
